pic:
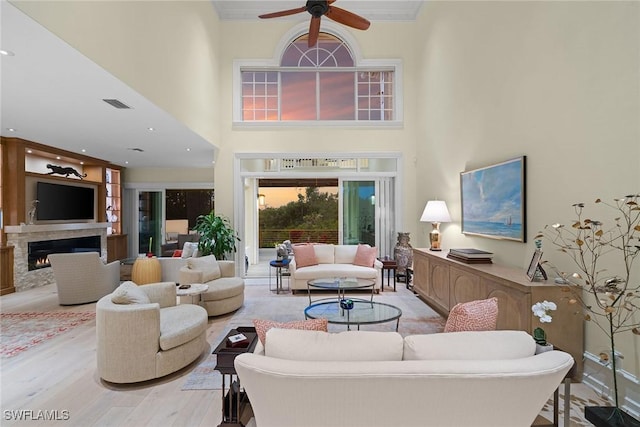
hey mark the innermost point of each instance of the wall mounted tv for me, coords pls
(64, 202)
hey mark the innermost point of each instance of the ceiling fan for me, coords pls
(318, 8)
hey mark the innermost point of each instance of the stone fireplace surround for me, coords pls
(20, 235)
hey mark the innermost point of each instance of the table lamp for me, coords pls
(435, 212)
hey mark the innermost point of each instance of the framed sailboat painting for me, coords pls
(493, 200)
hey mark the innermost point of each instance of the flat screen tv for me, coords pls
(64, 202)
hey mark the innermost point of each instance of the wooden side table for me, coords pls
(234, 399)
(390, 266)
(146, 270)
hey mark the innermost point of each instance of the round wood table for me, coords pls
(146, 270)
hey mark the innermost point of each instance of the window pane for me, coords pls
(337, 96)
(298, 96)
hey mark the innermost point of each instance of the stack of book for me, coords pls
(470, 256)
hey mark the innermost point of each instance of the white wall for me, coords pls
(558, 82)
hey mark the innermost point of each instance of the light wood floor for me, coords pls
(60, 375)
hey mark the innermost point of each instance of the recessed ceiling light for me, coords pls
(188, 149)
(11, 129)
(126, 162)
(57, 157)
(6, 52)
(83, 150)
(29, 151)
(82, 163)
(150, 129)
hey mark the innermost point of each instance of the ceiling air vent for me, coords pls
(139, 150)
(116, 104)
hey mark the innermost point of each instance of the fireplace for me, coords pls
(27, 240)
(39, 251)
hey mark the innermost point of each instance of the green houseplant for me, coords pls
(217, 237)
(609, 300)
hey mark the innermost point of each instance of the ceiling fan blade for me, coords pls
(347, 18)
(283, 13)
(314, 31)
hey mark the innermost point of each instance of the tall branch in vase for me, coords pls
(609, 300)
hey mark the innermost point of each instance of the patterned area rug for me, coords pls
(204, 376)
(21, 331)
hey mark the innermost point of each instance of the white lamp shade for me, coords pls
(435, 211)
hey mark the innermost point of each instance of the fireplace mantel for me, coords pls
(38, 228)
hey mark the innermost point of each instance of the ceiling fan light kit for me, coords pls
(319, 8)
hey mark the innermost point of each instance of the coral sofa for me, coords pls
(376, 379)
(333, 261)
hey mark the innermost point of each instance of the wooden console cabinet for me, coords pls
(444, 282)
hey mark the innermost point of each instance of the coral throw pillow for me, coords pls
(262, 326)
(365, 256)
(305, 255)
(177, 253)
(480, 315)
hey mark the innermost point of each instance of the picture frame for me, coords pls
(535, 267)
(493, 200)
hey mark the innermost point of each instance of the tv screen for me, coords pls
(64, 202)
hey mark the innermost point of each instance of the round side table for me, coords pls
(146, 270)
(195, 290)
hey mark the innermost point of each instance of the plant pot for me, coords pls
(609, 416)
(543, 348)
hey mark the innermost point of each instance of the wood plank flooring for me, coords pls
(60, 375)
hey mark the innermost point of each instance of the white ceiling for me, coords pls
(373, 10)
(52, 94)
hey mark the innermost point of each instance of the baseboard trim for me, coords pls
(599, 378)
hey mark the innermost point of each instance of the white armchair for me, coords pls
(82, 277)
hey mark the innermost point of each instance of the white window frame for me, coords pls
(273, 64)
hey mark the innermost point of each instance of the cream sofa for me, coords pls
(333, 261)
(139, 341)
(226, 291)
(375, 379)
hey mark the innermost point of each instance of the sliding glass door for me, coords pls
(358, 212)
(150, 219)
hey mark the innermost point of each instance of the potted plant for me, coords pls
(609, 300)
(541, 310)
(216, 235)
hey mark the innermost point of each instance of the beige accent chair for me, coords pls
(139, 340)
(82, 277)
(226, 291)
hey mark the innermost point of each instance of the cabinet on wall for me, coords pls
(26, 162)
(444, 282)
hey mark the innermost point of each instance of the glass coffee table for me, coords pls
(340, 284)
(363, 313)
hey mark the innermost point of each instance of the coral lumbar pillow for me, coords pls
(365, 256)
(262, 326)
(480, 315)
(304, 255)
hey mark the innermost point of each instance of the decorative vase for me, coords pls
(543, 348)
(403, 254)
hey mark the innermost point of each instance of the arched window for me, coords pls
(321, 83)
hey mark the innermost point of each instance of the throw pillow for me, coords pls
(304, 255)
(190, 249)
(129, 293)
(177, 253)
(262, 326)
(480, 315)
(365, 256)
(207, 265)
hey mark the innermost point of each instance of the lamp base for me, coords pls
(435, 237)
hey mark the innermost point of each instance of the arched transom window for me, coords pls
(317, 84)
